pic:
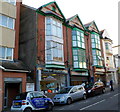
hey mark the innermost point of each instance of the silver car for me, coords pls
(69, 94)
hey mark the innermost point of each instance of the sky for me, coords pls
(103, 12)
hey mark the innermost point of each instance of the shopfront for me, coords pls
(53, 80)
(100, 75)
(78, 78)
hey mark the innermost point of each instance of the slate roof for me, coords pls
(14, 65)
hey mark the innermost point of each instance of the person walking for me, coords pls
(111, 85)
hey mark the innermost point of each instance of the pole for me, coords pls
(38, 79)
(68, 77)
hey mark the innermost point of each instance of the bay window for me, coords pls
(97, 60)
(96, 49)
(54, 40)
(78, 38)
(53, 27)
(78, 43)
(79, 58)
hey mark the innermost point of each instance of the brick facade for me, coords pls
(41, 38)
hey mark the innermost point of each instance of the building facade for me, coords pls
(95, 52)
(79, 70)
(12, 71)
(44, 44)
(108, 58)
(116, 55)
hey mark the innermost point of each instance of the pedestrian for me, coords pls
(111, 85)
(57, 87)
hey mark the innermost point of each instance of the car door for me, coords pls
(97, 88)
(73, 93)
(37, 100)
(80, 91)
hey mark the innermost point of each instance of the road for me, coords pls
(107, 101)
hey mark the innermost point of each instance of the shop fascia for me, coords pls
(55, 71)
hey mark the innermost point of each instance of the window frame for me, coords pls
(5, 54)
(81, 58)
(79, 36)
(96, 61)
(7, 22)
(9, 1)
(55, 28)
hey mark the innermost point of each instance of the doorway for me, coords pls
(11, 90)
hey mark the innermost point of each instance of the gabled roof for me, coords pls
(51, 11)
(105, 35)
(91, 24)
(72, 19)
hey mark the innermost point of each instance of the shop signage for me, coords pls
(100, 70)
(55, 71)
(111, 69)
(30, 86)
(13, 79)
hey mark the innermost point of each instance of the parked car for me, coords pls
(28, 101)
(94, 88)
(69, 94)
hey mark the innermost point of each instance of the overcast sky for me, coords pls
(103, 12)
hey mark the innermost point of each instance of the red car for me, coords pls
(94, 88)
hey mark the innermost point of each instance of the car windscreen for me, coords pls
(64, 90)
(89, 86)
(21, 96)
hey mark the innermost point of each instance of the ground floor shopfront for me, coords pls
(99, 74)
(11, 83)
(78, 78)
(52, 80)
(111, 74)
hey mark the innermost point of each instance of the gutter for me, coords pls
(13, 70)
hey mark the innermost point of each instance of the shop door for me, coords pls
(11, 90)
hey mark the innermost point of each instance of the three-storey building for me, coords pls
(12, 70)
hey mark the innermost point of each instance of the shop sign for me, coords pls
(100, 70)
(111, 69)
(55, 71)
(13, 79)
(30, 86)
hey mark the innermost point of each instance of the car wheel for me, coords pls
(69, 101)
(84, 97)
(50, 107)
(27, 110)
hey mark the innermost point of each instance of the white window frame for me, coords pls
(9, 1)
(53, 38)
(13, 27)
(6, 54)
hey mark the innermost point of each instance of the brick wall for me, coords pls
(17, 27)
(67, 36)
(41, 38)
(11, 75)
